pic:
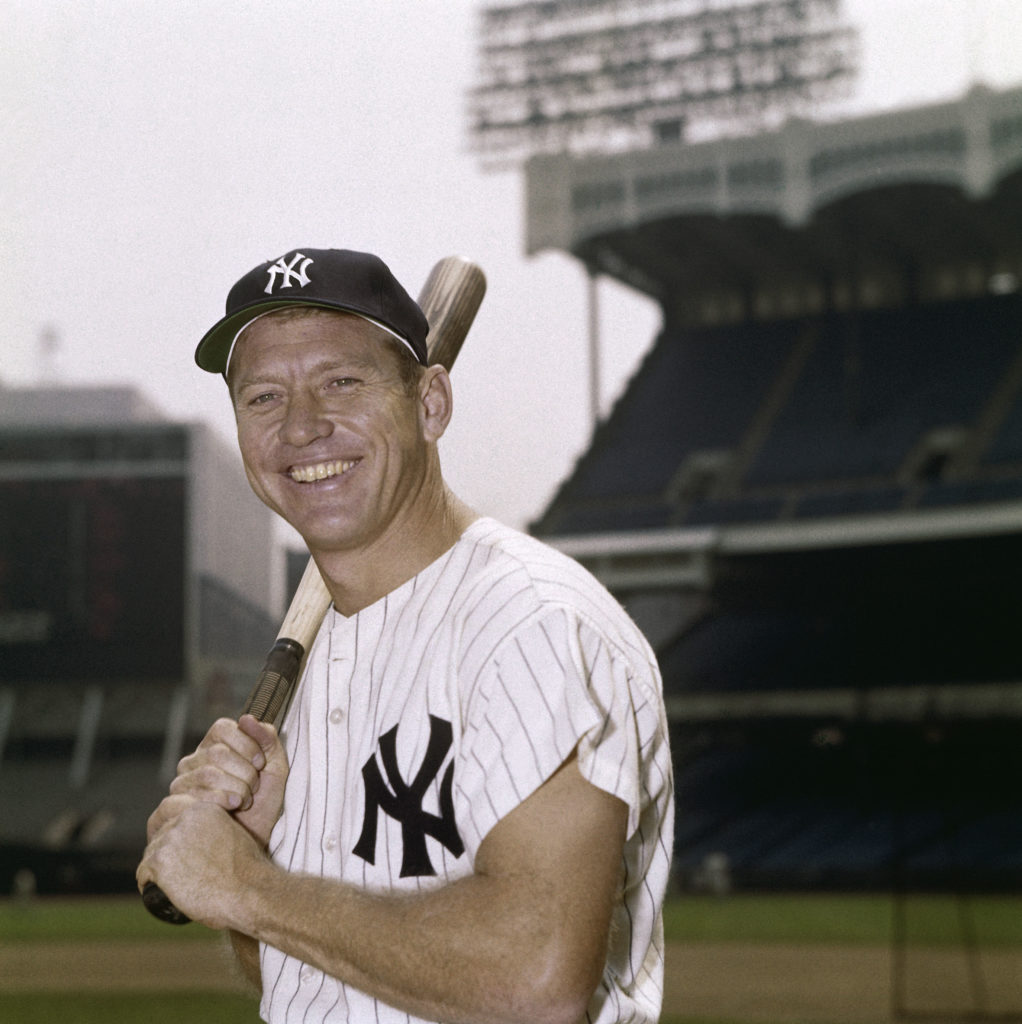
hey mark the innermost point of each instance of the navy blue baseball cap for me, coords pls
(355, 282)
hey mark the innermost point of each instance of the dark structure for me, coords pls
(810, 494)
(134, 607)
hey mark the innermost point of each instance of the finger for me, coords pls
(227, 733)
(231, 788)
(224, 767)
(217, 758)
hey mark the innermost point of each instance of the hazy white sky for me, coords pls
(155, 151)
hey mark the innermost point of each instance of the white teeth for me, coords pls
(321, 471)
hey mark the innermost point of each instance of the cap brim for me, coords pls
(214, 349)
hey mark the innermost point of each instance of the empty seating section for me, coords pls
(42, 806)
(971, 492)
(844, 431)
(743, 509)
(849, 501)
(784, 809)
(590, 517)
(878, 381)
(33, 794)
(874, 385)
(754, 649)
(1007, 445)
(695, 391)
(74, 788)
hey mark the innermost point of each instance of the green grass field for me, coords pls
(813, 918)
(126, 1008)
(760, 919)
(140, 1009)
(842, 919)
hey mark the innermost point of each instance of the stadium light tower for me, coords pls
(592, 76)
(597, 75)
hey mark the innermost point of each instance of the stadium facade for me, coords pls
(810, 492)
(136, 604)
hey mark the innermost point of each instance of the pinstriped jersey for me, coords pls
(427, 717)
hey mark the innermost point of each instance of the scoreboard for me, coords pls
(93, 553)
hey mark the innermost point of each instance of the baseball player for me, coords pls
(467, 814)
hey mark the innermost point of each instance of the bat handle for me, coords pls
(275, 682)
(158, 904)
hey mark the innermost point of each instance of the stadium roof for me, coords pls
(901, 195)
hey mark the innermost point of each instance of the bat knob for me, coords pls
(158, 904)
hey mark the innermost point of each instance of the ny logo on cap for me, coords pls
(288, 273)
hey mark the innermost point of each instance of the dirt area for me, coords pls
(803, 984)
(153, 966)
(838, 985)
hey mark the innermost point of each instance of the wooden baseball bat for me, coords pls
(449, 298)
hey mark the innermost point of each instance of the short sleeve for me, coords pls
(555, 685)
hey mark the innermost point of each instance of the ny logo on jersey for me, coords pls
(288, 273)
(403, 802)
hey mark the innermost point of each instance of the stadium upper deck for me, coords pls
(880, 210)
(810, 493)
(841, 319)
(840, 367)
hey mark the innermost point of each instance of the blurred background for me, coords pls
(751, 351)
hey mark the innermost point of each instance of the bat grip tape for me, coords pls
(276, 680)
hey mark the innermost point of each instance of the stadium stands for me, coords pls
(685, 445)
(822, 453)
(861, 616)
(135, 606)
(850, 807)
(82, 767)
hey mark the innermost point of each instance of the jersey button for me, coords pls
(308, 974)
(330, 842)
(336, 716)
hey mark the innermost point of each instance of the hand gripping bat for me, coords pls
(449, 298)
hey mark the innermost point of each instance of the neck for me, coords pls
(361, 577)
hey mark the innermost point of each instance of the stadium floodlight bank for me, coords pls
(591, 75)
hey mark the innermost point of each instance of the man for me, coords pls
(467, 815)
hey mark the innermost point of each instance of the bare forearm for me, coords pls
(467, 952)
(523, 937)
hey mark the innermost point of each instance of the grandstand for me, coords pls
(135, 605)
(810, 492)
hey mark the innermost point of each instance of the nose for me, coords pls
(304, 422)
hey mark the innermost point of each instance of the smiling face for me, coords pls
(333, 437)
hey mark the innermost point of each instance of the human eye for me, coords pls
(257, 399)
(343, 383)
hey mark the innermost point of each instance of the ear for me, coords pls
(436, 402)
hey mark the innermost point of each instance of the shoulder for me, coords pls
(514, 563)
(521, 580)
